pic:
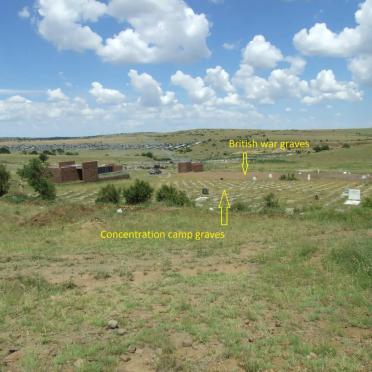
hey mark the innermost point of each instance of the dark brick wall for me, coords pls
(69, 174)
(116, 168)
(197, 167)
(184, 167)
(90, 171)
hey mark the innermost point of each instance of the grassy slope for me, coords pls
(278, 292)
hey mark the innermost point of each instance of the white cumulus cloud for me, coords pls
(195, 87)
(219, 79)
(105, 95)
(62, 23)
(154, 32)
(353, 43)
(150, 90)
(361, 68)
(326, 87)
(56, 95)
(260, 53)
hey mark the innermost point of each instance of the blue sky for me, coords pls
(83, 67)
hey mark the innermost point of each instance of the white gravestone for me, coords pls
(309, 177)
(353, 197)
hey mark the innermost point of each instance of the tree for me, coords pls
(37, 175)
(4, 150)
(4, 180)
(140, 192)
(43, 157)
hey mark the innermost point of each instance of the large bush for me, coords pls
(171, 196)
(139, 192)
(4, 150)
(108, 194)
(37, 175)
(4, 180)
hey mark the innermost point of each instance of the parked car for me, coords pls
(154, 171)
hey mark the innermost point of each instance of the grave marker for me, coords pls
(353, 197)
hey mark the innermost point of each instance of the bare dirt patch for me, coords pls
(60, 214)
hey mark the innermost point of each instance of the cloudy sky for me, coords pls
(82, 67)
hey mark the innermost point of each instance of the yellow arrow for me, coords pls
(224, 208)
(245, 162)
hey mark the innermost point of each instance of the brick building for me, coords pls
(89, 171)
(184, 167)
(188, 166)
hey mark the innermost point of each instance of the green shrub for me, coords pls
(37, 175)
(367, 203)
(108, 194)
(4, 180)
(4, 150)
(171, 196)
(43, 157)
(346, 146)
(271, 201)
(239, 206)
(288, 177)
(322, 147)
(46, 190)
(139, 192)
(148, 154)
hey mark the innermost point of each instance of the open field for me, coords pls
(280, 292)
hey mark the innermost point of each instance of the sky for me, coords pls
(88, 67)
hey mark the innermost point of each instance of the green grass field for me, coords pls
(280, 292)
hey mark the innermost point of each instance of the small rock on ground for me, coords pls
(132, 349)
(187, 342)
(112, 324)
